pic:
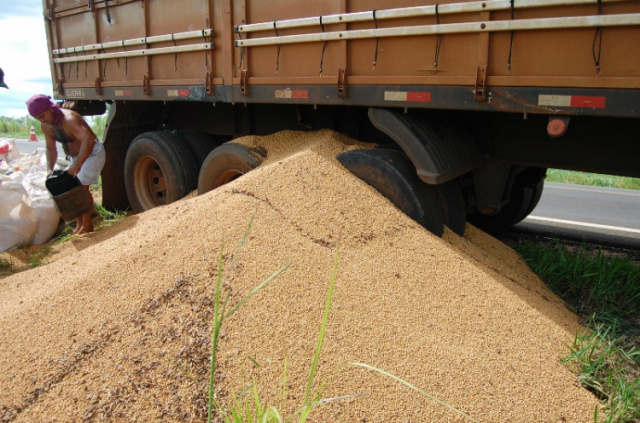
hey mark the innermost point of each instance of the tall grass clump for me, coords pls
(592, 179)
(239, 412)
(248, 406)
(609, 367)
(605, 293)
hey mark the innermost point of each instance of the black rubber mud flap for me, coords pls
(391, 173)
(226, 163)
(159, 169)
(439, 150)
(453, 206)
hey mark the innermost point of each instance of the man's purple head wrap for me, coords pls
(38, 104)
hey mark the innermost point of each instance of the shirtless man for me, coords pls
(78, 141)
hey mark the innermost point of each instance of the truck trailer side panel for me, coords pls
(480, 96)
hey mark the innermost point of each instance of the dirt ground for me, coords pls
(118, 326)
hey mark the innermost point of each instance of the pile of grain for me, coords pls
(118, 329)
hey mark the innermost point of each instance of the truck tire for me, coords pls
(200, 144)
(226, 163)
(523, 200)
(159, 169)
(392, 174)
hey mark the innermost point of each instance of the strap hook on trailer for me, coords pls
(244, 83)
(342, 83)
(104, 67)
(206, 52)
(480, 92)
(98, 86)
(241, 50)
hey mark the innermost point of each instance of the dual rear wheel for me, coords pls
(163, 167)
(160, 169)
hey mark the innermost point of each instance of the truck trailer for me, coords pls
(468, 102)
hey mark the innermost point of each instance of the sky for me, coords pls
(23, 55)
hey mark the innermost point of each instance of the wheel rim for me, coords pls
(227, 176)
(150, 183)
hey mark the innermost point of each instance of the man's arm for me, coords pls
(51, 152)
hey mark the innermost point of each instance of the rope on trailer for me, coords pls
(375, 56)
(513, 33)
(436, 55)
(597, 39)
(324, 47)
(175, 55)
(277, 47)
(106, 6)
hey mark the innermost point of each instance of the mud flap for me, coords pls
(440, 151)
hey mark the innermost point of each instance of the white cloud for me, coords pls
(25, 62)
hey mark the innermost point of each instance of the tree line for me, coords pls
(21, 127)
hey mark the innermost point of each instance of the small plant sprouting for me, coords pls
(220, 314)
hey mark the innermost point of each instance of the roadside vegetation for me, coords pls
(604, 291)
(21, 127)
(592, 179)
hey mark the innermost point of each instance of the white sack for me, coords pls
(41, 203)
(17, 220)
(27, 213)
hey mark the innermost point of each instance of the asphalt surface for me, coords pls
(608, 216)
(28, 147)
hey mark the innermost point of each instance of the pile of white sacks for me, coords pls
(27, 212)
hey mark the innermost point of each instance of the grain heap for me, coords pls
(118, 328)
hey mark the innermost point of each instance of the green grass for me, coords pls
(6, 267)
(605, 292)
(21, 127)
(592, 179)
(607, 365)
(590, 282)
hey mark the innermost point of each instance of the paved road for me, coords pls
(606, 215)
(27, 147)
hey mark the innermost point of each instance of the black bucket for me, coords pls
(69, 196)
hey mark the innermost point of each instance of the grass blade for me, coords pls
(415, 388)
(325, 320)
